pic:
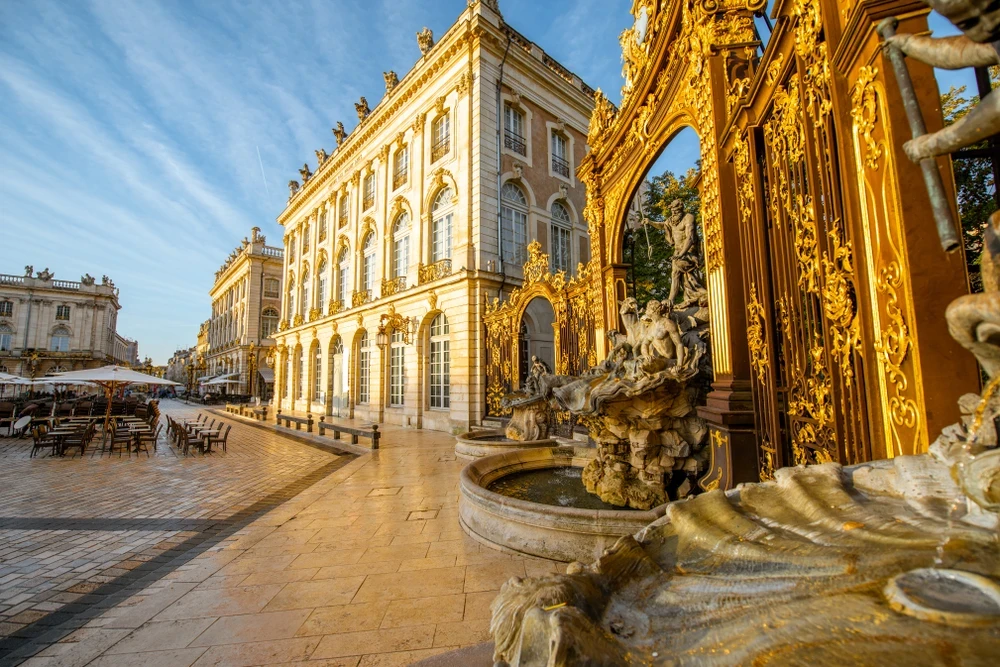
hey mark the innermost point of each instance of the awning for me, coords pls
(224, 379)
(206, 378)
(267, 374)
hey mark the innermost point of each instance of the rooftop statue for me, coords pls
(28, 270)
(321, 157)
(339, 133)
(45, 274)
(305, 173)
(293, 188)
(391, 81)
(87, 279)
(425, 40)
(362, 108)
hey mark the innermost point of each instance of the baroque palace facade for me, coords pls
(52, 326)
(395, 243)
(246, 307)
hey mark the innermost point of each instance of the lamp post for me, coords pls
(251, 367)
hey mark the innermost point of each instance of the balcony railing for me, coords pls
(343, 221)
(560, 166)
(335, 306)
(431, 272)
(11, 280)
(440, 148)
(360, 298)
(65, 284)
(399, 178)
(369, 201)
(393, 286)
(270, 251)
(514, 142)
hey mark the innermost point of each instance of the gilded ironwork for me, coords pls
(755, 336)
(393, 286)
(427, 273)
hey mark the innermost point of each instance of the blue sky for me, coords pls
(130, 130)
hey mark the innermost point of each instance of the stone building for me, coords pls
(51, 326)
(177, 365)
(394, 244)
(246, 310)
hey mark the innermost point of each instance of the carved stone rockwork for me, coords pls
(530, 419)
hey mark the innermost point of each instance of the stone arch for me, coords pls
(511, 177)
(569, 206)
(440, 179)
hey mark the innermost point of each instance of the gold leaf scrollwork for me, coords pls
(755, 335)
(840, 304)
(863, 112)
(894, 347)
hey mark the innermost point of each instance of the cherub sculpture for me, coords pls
(362, 108)
(980, 23)
(339, 133)
(391, 81)
(425, 40)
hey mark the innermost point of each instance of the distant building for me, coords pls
(408, 227)
(177, 366)
(52, 326)
(246, 309)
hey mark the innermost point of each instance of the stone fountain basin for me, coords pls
(552, 532)
(477, 444)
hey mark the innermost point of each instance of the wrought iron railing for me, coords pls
(343, 221)
(368, 201)
(515, 142)
(431, 272)
(560, 166)
(399, 178)
(393, 286)
(335, 306)
(440, 148)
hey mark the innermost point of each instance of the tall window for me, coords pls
(272, 288)
(343, 276)
(268, 322)
(60, 340)
(560, 156)
(397, 368)
(291, 247)
(318, 394)
(401, 167)
(288, 377)
(6, 308)
(401, 245)
(561, 234)
(440, 363)
(369, 195)
(364, 368)
(291, 296)
(321, 293)
(440, 137)
(62, 312)
(368, 265)
(442, 213)
(301, 366)
(344, 208)
(514, 220)
(513, 130)
(6, 338)
(306, 303)
(305, 238)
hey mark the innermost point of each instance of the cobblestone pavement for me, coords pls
(72, 528)
(365, 567)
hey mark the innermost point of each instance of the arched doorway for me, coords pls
(537, 337)
(337, 401)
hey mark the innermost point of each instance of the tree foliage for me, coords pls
(973, 184)
(647, 250)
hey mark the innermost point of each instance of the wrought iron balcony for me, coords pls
(431, 272)
(393, 286)
(368, 201)
(515, 142)
(335, 306)
(315, 314)
(560, 166)
(343, 221)
(440, 148)
(360, 297)
(298, 319)
(399, 178)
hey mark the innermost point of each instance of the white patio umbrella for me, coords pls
(111, 378)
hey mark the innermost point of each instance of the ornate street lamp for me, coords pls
(393, 321)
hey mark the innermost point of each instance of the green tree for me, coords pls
(973, 184)
(647, 250)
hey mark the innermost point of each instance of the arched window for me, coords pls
(368, 265)
(305, 238)
(343, 277)
(397, 368)
(6, 338)
(562, 232)
(321, 294)
(401, 167)
(364, 368)
(440, 137)
(60, 340)
(306, 303)
(268, 322)
(58, 368)
(440, 362)
(290, 310)
(442, 212)
(401, 245)
(318, 394)
(514, 220)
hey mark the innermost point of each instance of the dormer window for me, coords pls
(513, 130)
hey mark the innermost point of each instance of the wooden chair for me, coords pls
(80, 440)
(220, 439)
(42, 440)
(120, 436)
(148, 438)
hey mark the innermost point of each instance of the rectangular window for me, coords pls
(560, 157)
(440, 374)
(343, 275)
(62, 312)
(401, 169)
(515, 234)
(287, 379)
(364, 375)
(369, 199)
(368, 274)
(441, 238)
(6, 308)
(318, 378)
(397, 359)
(322, 225)
(305, 239)
(400, 256)
(440, 137)
(60, 343)
(272, 288)
(560, 248)
(344, 209)
(6, 342)
(302, 376)
(513, 130)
